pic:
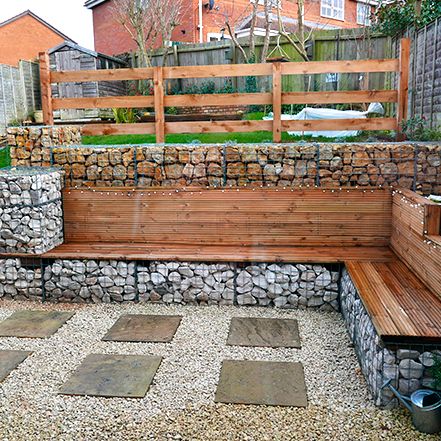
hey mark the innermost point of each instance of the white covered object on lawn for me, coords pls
(311, 113)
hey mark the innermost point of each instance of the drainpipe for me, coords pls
(201, 26)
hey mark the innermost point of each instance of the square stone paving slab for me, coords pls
(125, 376)
(34, 324)
(9, 360)
(262, 382)
(144, 328)
(273, 333)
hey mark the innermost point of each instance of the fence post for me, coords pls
(46, 91)
(277, 102)
(403, 84)
(158, 82)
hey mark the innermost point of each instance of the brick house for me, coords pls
(204, 20)
(22, 37)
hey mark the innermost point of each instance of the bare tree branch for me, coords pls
(148, 22)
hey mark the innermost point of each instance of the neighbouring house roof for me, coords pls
(90, 4)
(291, 25)
(74, 46)
(36, 17)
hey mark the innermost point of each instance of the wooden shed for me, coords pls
(70, 56)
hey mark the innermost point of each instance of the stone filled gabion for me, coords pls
(333, 165)
(32, 145)
(408, 367)
(31, 215)
(19, 282)
(279, 285)
(90, 281)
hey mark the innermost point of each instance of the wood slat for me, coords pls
(347, 96)
(340, 124)
(414, 218)
(218, 253)
(341, 66)
(232, 99)
(217, 126)
(401, 307)
(217, 71)
(248, 217)
(102, 75)
(103, 102)
(119, 129)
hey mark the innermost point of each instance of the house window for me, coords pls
(363, 14)
(333, 9)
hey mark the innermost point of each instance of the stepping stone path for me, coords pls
(33, 324)
(124, 376)
(9, 360)
(130, 376)
(262, 332)
(262, 382)
(144, 328)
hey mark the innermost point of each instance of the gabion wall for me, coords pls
(415, 166)
(31, 215)
(408, 367)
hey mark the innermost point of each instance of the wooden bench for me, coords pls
(381, 238)
(227, 225)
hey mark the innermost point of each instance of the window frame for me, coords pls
(332, 7)
(367, 7)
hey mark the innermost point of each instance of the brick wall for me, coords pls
(24, 38)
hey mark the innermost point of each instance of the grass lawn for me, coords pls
(4, 157)
(219, 138)
(213, 138)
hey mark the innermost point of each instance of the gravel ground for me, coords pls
(180, 403)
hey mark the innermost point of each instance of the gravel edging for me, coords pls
(180, 404)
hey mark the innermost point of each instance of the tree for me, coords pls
(231, 25)
(392, 17)
(149, 23)
(299, 39)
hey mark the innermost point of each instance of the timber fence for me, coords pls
(277, 97)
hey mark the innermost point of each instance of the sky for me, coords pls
(69, 16)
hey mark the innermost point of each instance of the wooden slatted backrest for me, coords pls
(230, 217)
(416, 236)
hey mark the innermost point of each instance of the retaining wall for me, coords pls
(31, 215)
(407, 165)
(407, 366)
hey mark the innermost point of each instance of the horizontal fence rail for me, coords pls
(159, 100)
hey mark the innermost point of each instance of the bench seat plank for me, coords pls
(217, 253)
(401, 307)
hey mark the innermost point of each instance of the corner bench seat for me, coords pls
(401, 307)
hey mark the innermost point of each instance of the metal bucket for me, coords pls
(425, 407)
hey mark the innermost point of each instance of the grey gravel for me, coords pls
(180, 403)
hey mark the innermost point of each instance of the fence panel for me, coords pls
(19, 92)
(276, 70)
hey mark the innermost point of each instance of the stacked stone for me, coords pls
(90, 281)
(187, 283)
(330, 165)
(97, 166)
(429, 168)
(288, 286)
(31, 217)
(19, 282)
(193, 165)
(408, 368)
(279, 285)
(32, 145)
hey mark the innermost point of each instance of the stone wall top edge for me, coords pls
(30, 171)
(310, 144)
